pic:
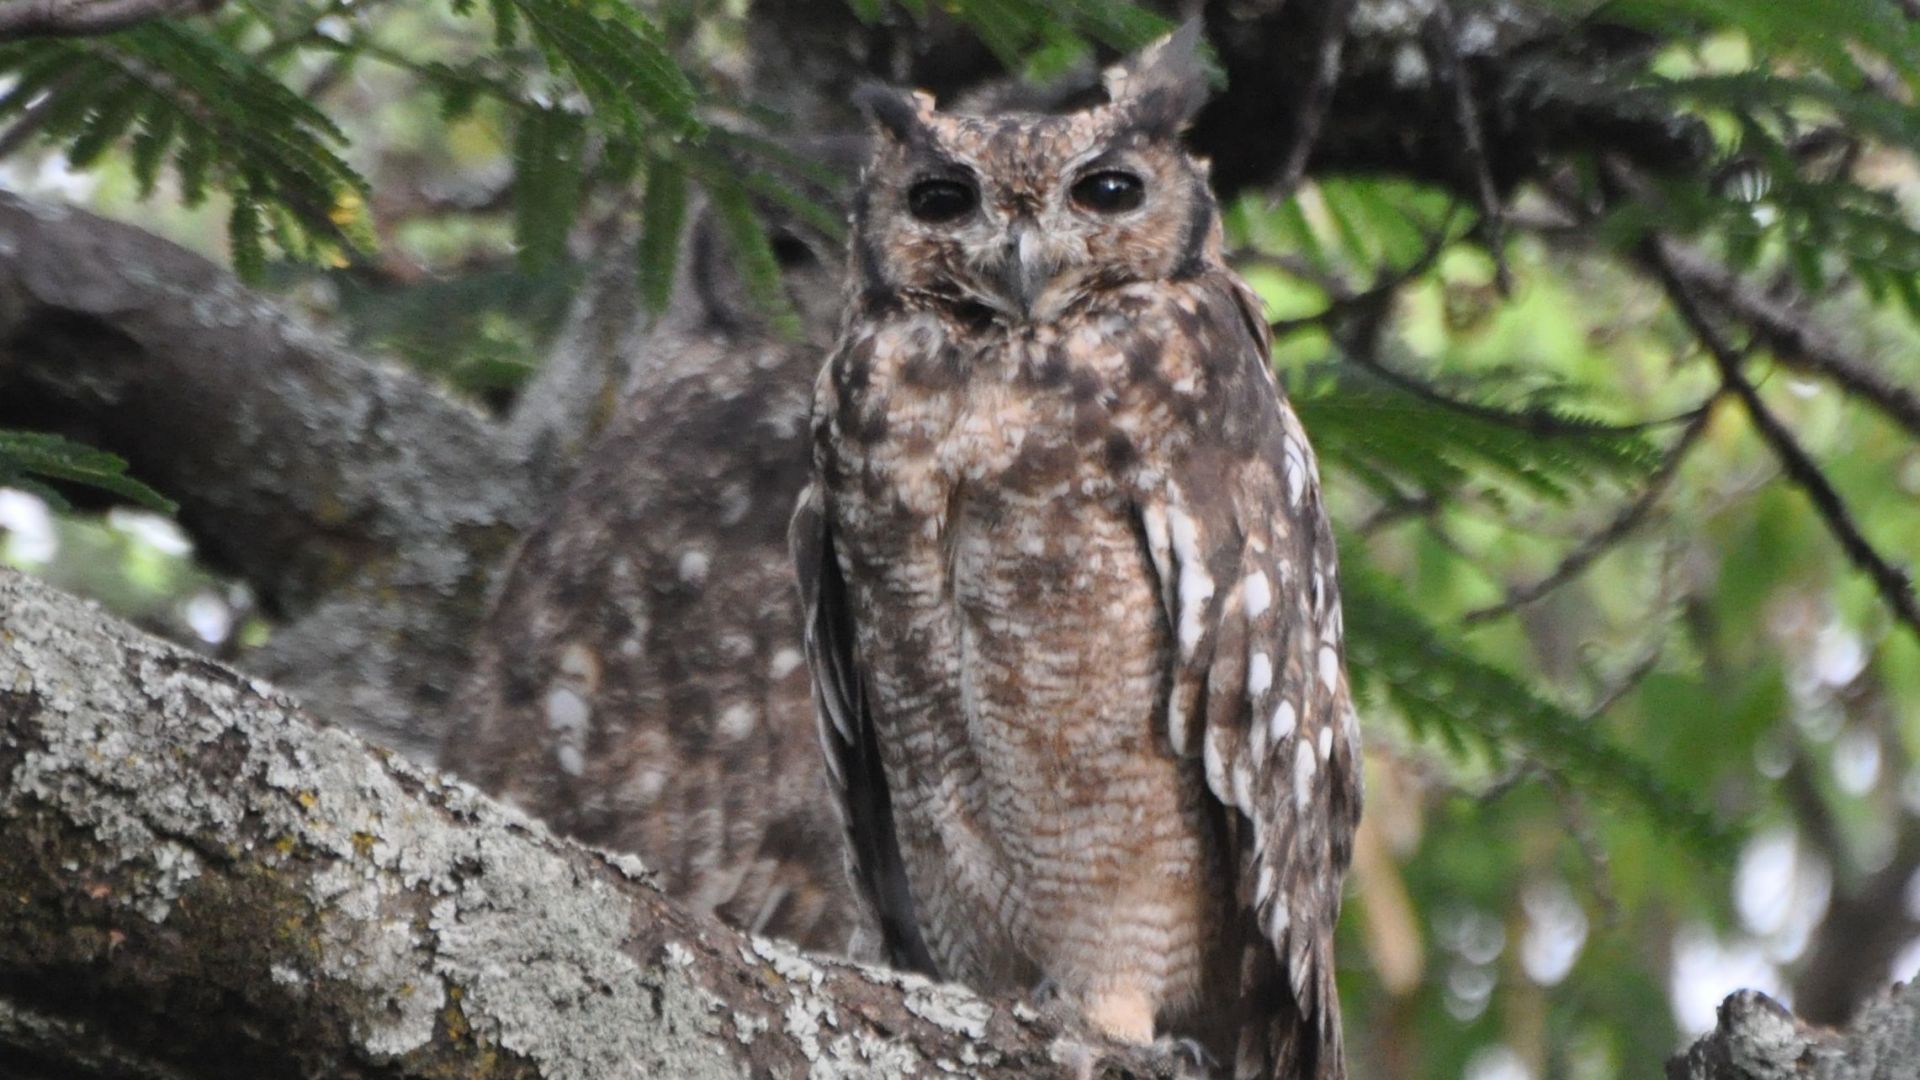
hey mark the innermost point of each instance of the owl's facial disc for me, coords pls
(1024, 216)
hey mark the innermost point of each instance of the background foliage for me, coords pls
(1636, 717)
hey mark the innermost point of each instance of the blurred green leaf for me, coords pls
(28, 457)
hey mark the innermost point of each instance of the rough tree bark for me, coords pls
(200, 882)
(366, 509)
(1758, 1039)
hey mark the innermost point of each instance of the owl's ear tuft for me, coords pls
(1161, 89)
(896, 113)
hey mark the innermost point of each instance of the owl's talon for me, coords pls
(1044, 993)
(1193, 1059)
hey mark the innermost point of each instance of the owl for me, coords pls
(639, 683)
(1072, 613)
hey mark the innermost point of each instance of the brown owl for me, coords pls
(639, 683)
(1073, 619)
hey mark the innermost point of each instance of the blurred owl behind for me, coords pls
(1073, 619)
(638, 683)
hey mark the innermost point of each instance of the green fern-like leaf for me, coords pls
(754, 252)
(1549, 452)
(548, 153)
(618, 60)
(1012, 27)
(184, 90)
(26, 455)
(662, 217)
(1394, 654)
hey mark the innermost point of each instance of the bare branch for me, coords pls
(200, 879)
(1441, 38)
(86, 18)
(1316, 98)
(357, 500)
(1758, 1037)
(1794, 337)
(1599, 543)
(1895, 585)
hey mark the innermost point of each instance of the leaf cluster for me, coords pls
(1799, 94)
(187, 96)
(33, 462)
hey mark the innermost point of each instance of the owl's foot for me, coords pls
(1049, 1000)
(1044, 993)
(1124, 1014)
(1190, 1058)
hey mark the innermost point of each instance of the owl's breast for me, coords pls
(1010, 622)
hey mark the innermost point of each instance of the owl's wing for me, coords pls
(854, 773)
(1244, 556)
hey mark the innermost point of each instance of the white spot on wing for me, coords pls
(1277, 918)
(1326, 743)
(1177, 723)
(645, 785)
(1216, 768)
(1259, 675)
(1285, 719)
(693, 566)
(783, 663)
(1296, 472)
(1257, 593)
(1196, 585)
(739, 719)
(567, 712)
(1329, 667)
(1303, 770)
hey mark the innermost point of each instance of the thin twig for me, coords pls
(1403, 508)
(34, 115)
(1625, 683)
(1894, 584)
(1369, 303)
(1792, 336)
(1586, 836)
(1534, 421)
(1622, 525)
(85, 18)
(1442, 39)
(1317, 99)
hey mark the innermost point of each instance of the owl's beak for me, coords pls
(1026, 266)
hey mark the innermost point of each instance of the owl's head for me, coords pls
(1013, 217)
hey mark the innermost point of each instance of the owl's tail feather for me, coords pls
(1289, 1035)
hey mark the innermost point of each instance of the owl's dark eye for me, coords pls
(938, 201)
(1109, 191)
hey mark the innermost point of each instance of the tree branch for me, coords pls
(1316, 97)
(87, 18)
(1441, 38)
(1610, 534)
(1894, 584)
(202, 880)
(1758, 1039)
(1792, 334)
(360, 503)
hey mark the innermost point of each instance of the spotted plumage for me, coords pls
(1073, 616)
